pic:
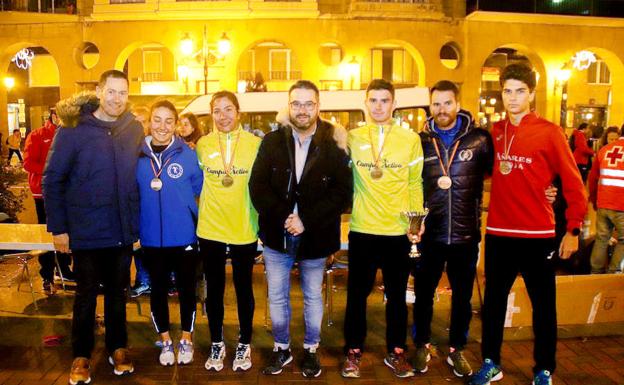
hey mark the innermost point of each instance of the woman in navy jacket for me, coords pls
(169, 181)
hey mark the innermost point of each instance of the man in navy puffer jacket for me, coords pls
(92, 204)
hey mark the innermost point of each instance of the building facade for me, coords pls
(170, 47)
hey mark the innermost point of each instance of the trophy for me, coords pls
(415, 219)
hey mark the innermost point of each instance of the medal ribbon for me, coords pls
(228, 159)
(445, 170)
(507, 148)
(157, 174)
(377, 156)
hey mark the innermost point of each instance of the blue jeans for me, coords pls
(278, 266)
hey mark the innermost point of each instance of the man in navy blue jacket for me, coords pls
(92, 204)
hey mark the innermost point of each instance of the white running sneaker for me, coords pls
(167, 355)
(217, 355)
(242, 358)
(185, 352)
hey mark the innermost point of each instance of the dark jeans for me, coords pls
(11, 152)
(46, 260)
(367, 253)
(505, 257)
(160, 262)
(214, 255)
(111, 267)
(461, 262)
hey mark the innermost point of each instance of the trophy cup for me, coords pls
(415, 219)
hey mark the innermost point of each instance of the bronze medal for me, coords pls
(227, 180)
(505, 167)
(445, 182)
(376, 172)
(156, 184)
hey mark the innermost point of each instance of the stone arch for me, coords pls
(414, 53)
(147, 75)
(491, 91)
(616, 69)
(276, 60)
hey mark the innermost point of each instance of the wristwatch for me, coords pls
(576, 231)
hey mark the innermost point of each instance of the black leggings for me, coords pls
(160, 262)
(214, 255)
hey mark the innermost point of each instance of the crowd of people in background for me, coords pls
(104, 176)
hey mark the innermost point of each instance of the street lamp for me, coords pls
(224, 46)
(9, 83)
(562, 76)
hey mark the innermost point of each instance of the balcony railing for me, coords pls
(612, 8)
(284, 75)
(152, 77)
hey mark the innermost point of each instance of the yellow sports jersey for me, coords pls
(378, 203)
(226, 213)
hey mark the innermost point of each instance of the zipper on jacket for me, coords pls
(449, 196)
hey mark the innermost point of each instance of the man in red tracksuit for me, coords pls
(582, 152)
(35, 153)
(606, 189)
(529, 152)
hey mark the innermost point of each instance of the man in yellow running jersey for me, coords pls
(387, 165)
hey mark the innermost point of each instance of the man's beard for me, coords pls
(300, 126)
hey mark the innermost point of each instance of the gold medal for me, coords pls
(505, 167)
(227, 158)
(156, 184)
(227, 180)
(376, 172)
(445, 182)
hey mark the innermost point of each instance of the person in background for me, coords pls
(228, 225)
(606, 189)
(92, 205)
(14, 142)
(582, 152)
(36, 150)
(610, 135)
(169, 180)
(189, 129)
(142, 282)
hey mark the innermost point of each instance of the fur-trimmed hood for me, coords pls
(70, 109)
(339, 135)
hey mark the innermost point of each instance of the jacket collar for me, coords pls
(466, 125)
(175, 146)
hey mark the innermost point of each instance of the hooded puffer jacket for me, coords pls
(455, 213)
(89, 182)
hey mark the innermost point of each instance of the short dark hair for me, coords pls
(305, 85)
(52, 112)
(582, 126)
(115, 74)
(445, 85)
(15, 130)
(165, 104)
(380, 84)
(520, 72)
(223, 94)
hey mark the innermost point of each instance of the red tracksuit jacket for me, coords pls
(539, 152)
(35, 153)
